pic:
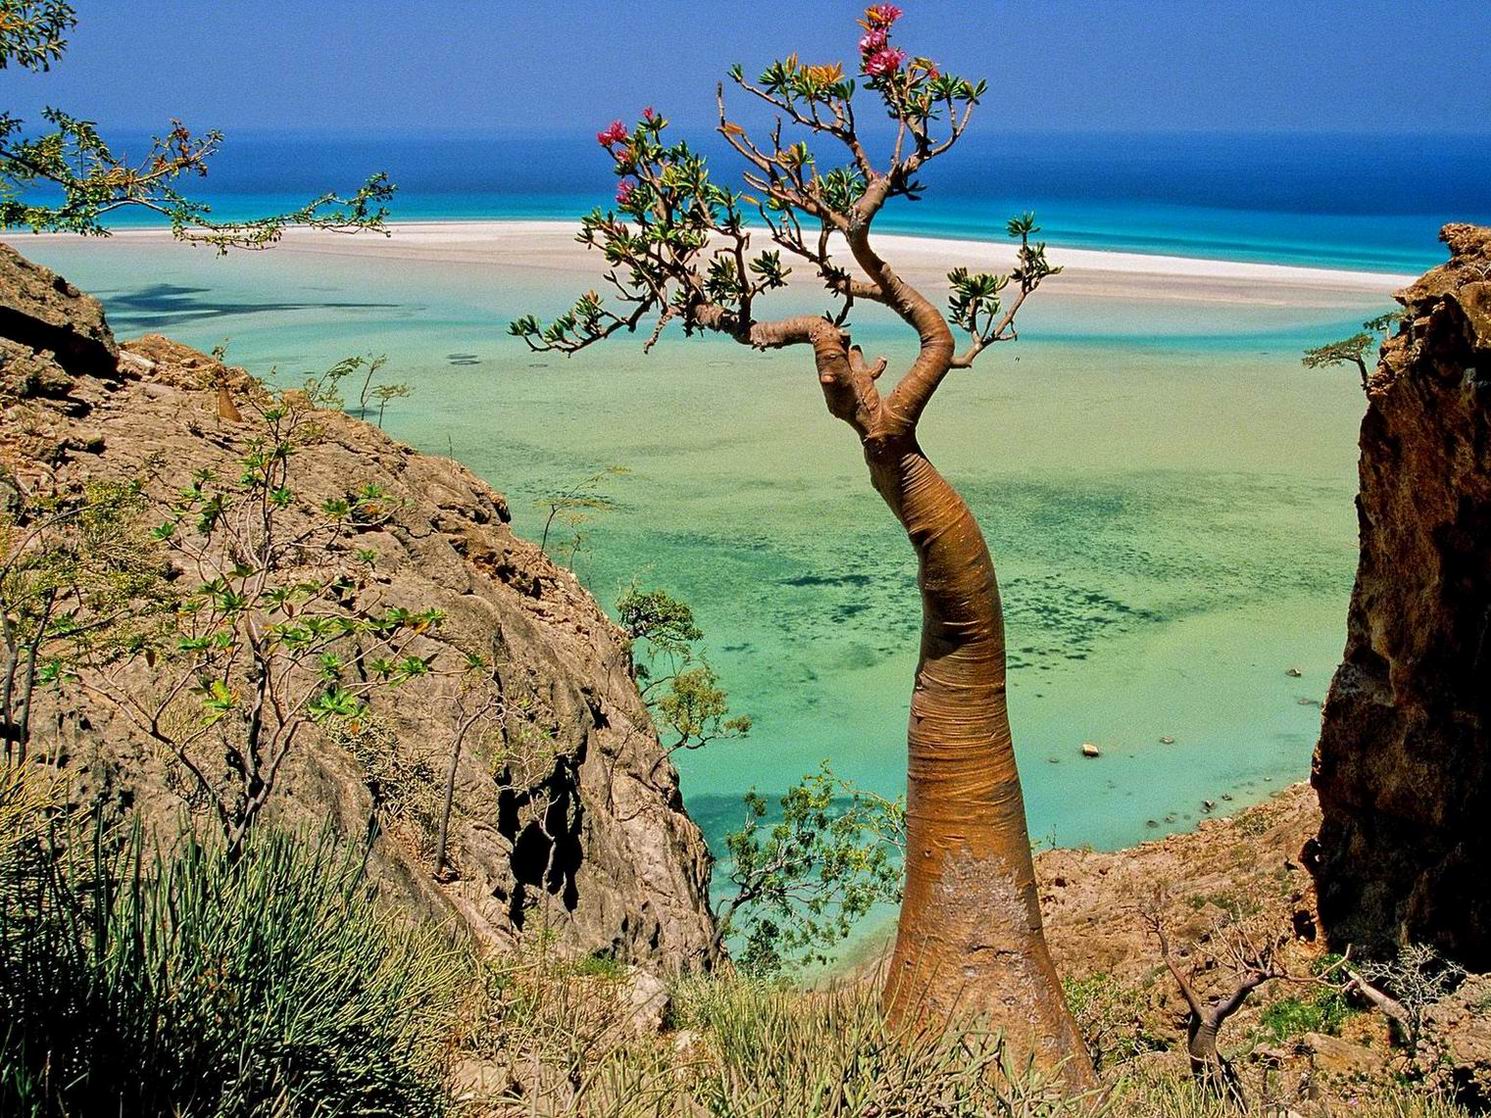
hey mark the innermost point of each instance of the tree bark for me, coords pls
(970, 947)
(1208, 1067)
(970, 939)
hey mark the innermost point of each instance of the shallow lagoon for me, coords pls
(1168, 495)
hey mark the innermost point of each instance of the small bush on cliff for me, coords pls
(803, 881)
(73, 566)
(273, 623)
(195, 983)
(800, 880)
(681, 688)
(1111, 1015)
(402, 777)
(324, 390)
(574, 504)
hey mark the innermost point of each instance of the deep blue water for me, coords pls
(1369, 202)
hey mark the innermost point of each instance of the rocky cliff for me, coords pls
(568, 819)
(1403, 767)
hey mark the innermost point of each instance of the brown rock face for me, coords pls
(1403, 767)
(42, 311)
(1456, 1052)
(579, 834)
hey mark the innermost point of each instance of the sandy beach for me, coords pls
(548, 248)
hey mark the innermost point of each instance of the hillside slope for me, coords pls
(567, 819)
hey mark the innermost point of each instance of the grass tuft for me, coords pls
(195, 983)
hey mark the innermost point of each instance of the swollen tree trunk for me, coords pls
(1208, 1066)
(970, 940)
(970, 949)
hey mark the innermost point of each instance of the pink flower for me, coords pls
(882, 15)
(874, 40)
(647, 113)
(885, 61)
(624, 191)
(613, 135)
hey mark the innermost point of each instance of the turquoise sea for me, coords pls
(1167, 492)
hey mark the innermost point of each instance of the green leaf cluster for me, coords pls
(33, 33)
(806, 875)
(1293, 1016)
(1353, 350)
(696, 709)
(662, 622)
(681, 687)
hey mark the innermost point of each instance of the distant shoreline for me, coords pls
(550, 246)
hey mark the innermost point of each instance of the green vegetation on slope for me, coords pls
(151, 982)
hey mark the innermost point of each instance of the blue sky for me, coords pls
(492, 66)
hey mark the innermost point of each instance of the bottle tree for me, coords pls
(678, 249)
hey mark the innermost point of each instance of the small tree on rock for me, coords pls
(658, 627)
(74, 566)
(1249, 952)
(1353, 350)
(574, 505)
(275, 627)
(682, 690)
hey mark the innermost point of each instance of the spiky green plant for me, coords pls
(193, 983)
(1179, 1097)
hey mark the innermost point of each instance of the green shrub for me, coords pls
(1110, 1016)
(193, 983)
(600, 966)
(1290, 1017)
